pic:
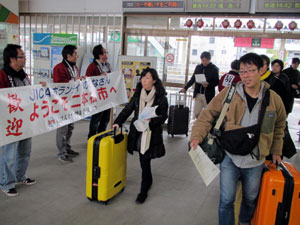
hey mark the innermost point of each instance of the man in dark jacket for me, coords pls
(204, 91)
(294, 75)
(98, 67)
(280, 83)
(15, 156)
(64, 72)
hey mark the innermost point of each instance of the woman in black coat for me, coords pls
(149, 92)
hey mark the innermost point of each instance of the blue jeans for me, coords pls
(251, 178)
(14, 162)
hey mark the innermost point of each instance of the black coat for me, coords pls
(211, 73)
(157, 148)
(281, 86)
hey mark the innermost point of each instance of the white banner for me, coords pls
(33, 110)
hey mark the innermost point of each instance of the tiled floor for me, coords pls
(178, 195)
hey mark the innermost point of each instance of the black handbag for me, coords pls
(289, 148)
(211, 145)
(242, 141)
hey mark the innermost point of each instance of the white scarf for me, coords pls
(146, 100)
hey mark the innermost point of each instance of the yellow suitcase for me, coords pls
(106, 165)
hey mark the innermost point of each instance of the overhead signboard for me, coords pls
(249, 42)
(218, 6)
(153, 6)
(282, 6)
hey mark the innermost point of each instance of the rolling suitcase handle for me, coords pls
(118, 138)
(178, 100)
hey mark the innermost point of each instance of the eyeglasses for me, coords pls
(21, 57)
(105, 52)
(247, 71)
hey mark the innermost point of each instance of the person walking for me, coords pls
(232, 77)
(294, 75)
(149, 92)
(15, 156)
(243, 113)
(204, 91)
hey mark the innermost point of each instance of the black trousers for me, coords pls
(146, 174)
(99, 122)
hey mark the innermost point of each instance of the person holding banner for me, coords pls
(63, 73)
(15, 156)
(149, 93)
(98, 67)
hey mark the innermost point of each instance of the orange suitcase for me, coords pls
(279, 197)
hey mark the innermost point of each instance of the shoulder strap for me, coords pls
(226, 102)
(264, 105)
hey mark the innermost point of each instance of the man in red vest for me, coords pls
(15, 156)
(63, 73)
(98, 67)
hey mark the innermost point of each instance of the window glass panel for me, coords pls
(155, 48)
(147, 22)
(176, 59)
(135, 45)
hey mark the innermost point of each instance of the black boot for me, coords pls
(141, 198)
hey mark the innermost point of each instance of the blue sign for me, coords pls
(41, 38)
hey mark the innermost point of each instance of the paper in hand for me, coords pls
(148, 113)
(206, 168)
(200, 78)
(141, 125)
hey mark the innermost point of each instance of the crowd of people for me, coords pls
(254, 82)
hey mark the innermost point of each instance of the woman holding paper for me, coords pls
(148, 142)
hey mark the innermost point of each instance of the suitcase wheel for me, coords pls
(172, 135)
(123, 189)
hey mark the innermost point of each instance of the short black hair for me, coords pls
(280, 62)
(154, 75)
(10, 51)
(97, 50)
(266, 59)
(295, 60)
(235, 64)
(68, 50)
(206, 55)
(252, 58)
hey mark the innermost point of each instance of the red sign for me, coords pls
(170, 58)
(248, 42)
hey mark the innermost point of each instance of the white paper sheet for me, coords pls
(206, 168)
(200, 78)
(148, 113)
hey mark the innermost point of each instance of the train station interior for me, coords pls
(170, 36)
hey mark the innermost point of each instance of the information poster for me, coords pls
(132, 67)
(47, 50)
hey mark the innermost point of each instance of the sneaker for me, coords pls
(72, 153)
(65, 159)
(11, 192)
(28, 181)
